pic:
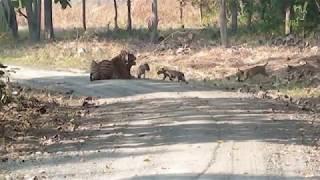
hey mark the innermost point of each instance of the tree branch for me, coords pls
(21, 13)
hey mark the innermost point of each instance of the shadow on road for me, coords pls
(105, 88)
(161, 121)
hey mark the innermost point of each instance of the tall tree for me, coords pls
(115, 15)
(318, 4)
(32, 9)
(129, 25)
(4, 26)
(288, 16)
(182, 4)
(39, 9)
(84, 20)
(201, 11)
(10, 16)
(223, 23)
(234, 15)
(154, 33)
(48, 24)
(247, 6)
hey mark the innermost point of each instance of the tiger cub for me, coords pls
(243, 75)
(172, 74)
(142, 70)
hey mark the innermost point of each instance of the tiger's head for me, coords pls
(129, 58)
(161, 71)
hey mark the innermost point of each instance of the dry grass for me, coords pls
(212, 63)
(100, 15)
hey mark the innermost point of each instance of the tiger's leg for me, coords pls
(171, 77)
(182, 78)
(164, 76)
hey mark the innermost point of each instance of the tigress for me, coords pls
(94, 71)
(118, 67)
(101, 70)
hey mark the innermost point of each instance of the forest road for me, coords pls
(150, 129)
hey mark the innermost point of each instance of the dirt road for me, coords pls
(147, 129)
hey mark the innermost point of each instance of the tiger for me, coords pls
(123, 64)
(142, 70)
(172, 74)
(102, 70)
(94, 71)
(118, 67)
(243, 75)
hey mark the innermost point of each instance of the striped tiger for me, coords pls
(118, 67)
(122, 64)
(94, 71)
(101, 70)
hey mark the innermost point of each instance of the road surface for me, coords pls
(149, 129)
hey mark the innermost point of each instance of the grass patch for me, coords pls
(301, 92)
(76, 49)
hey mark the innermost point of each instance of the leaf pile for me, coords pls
(34, 119)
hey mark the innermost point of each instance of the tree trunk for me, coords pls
(39, 8)
(223, 23)
(247, 8)
(154, 33)
(263, 12)
(33, 19)
(11, 17)
(249, 20)
(288, 17)
(115, 15)
(29, 12)
(181, 13)
(201, 11)
(4, 25)
(234, 16)
(84, 20)
(129, 26)
(318, 5)
(48, 24)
